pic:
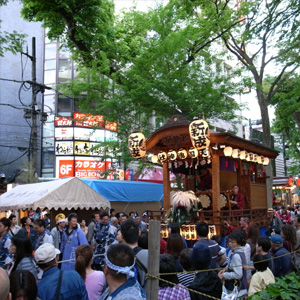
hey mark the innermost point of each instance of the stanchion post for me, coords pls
(153, 259)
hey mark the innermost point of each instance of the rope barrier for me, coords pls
(219, 269)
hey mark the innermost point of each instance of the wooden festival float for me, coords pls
(188, 148)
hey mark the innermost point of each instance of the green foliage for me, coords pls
(285, 288)
(28, 174)
(10, 41)
(287, 116)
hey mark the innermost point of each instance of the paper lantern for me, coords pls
(204, 152)
(244, 155)
(199, 134)
(137, 145)
(236, 153)
(260, 160)
(162, 156)
(193, 152)
(266, 161)
(154, 159)
(291, 181)
(227, 151)
(255, 157)
(182, 153)
(250, 156)
(172, 155)
(298, 182)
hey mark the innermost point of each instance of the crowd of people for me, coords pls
(108, 258)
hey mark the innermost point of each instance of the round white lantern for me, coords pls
(199, 134)
(193, 152)
(162, 156)
(244, 155)
(227, 151)
(172, 155)
(236, 153)
(182, 153)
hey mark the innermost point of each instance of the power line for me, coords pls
(14, 159)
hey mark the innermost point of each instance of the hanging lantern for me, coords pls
(266, 161)
(182, 153)
(236, 153)
(227, 151)
(137, 145)
(162, 156)
(250, 156)
(298, 182)
(193, 152)
(260, 160)
(172, 155)
(199, 134)
(244, 155)
(255, 157)
(154, 159)
(204, 152)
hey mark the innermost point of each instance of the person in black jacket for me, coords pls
(206, 282)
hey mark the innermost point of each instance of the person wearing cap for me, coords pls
(282, 264)
(57, 231)
(120, 276)
(57, 284)
(206, 282)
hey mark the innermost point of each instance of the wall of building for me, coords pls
(14, 130)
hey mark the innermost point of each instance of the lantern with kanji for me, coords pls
(204, 152)
(193, 152)
(244, 155)
(182, 153)
(137, 145)
(199, 134)
(172, 155)
(162, 156)
(236, 153)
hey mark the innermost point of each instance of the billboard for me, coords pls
(63, 133)
(83, 167)
(64, 148)
(89, 121)
(63, 121)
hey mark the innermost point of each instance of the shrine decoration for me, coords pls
(199, 134)
(236, 153)
(162, 156)
(154, 159)
(266, 161)
(228, 151)
(172, 154)
(182, 153)
(243, 155)
(193, 152)
(137, 145)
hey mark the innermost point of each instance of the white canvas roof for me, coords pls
(62, 193)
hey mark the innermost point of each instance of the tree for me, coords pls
(286, 123)
(10, 41)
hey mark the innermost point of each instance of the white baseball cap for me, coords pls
(45, 253)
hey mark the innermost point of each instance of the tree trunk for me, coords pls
(296, 116)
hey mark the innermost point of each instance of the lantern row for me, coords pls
(244, 155)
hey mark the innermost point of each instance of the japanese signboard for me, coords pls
(64, 148)
(111, 126)
(64, 133)
(87, 120)
(81, 167)
(63, 122)
(81, 148)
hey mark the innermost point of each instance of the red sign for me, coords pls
(82, 168)
(87, 120)
(63, 121)
(111, 126)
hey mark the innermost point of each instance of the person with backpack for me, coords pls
(129, 236)
(235, 274)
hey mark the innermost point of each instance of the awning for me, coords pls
(68, 193)
(126, 191)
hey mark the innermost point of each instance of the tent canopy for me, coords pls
(63, 193)
(126, 191)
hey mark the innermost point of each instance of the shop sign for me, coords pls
(63, 133)
(87, 120)
(63, 121)
(64, 148)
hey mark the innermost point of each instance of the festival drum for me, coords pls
(222, 200)
(205, 200)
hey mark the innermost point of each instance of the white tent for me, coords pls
(68, 193)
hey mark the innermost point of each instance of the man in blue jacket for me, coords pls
(57, 284)
(282, 264)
